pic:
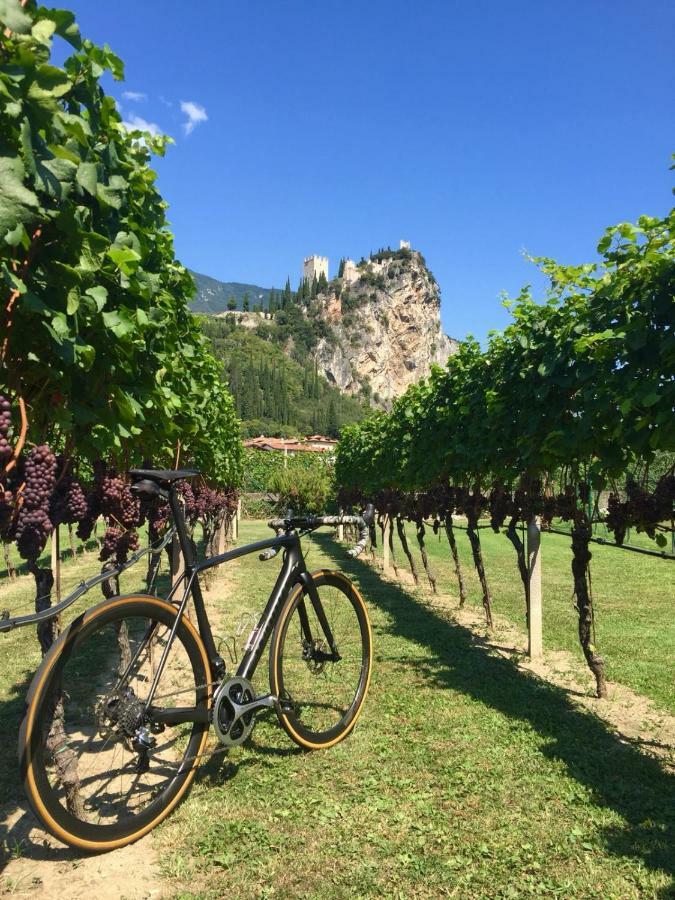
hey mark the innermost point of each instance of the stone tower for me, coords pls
(314, 266)
(350, 273)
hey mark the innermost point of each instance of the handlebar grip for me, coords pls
(360, 545)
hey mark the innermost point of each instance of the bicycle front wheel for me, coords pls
(98, 771)
(321, 688)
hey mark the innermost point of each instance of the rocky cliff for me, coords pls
(385, 326)
(372, 331)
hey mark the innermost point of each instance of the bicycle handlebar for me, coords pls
(310, 523)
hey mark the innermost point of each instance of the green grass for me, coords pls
(464, 777)
(633, 594)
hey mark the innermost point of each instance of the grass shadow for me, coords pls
(619, 776)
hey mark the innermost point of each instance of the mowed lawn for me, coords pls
(634, 599)
(464, 777)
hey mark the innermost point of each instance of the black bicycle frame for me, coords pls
(293, 571)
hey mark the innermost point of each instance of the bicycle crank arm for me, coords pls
(269, 701)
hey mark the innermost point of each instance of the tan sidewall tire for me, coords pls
(33, 704)
(321, 577)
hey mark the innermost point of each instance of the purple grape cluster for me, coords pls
(111, 497)
(34, 525)
(118, 543)
(117, 501)
(86, 524)
(6, 512)
(210, 503)
(5, 425)
(68, 503)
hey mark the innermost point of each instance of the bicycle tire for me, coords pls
(298, 713)
(88, 824)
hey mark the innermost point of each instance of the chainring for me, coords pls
(231, 726)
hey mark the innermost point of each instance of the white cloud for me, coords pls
(195, 114)
(137, 123)
(134, 95)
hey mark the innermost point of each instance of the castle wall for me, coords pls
(350, 273)
(314, 267)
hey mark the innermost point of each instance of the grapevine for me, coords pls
(575, 397)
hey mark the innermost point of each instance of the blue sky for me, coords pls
(476, 130)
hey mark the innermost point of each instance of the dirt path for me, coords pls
(41, 867)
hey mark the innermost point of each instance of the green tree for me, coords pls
(100, 344)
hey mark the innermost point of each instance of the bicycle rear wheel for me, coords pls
(322, 691)
(86, 776)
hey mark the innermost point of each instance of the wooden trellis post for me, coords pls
(56, 562)
(341, 527)
(535, 644)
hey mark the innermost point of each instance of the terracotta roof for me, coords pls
(291, 444)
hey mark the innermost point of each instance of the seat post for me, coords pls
(181, 528)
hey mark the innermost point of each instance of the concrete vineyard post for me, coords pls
(386, 565)
(535, 638)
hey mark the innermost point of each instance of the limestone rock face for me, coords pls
(386, 327)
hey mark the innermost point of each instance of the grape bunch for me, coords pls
(664, 497)
(501, 506)
(34, 525)
(192, 506)
(6, 511)
(122, 511)
(617, 517)
(156, 512)
(566, 504)
(118, 543)
(117, 501)
(86, 524)
(68, 503)
(5, 425)
(110, 540)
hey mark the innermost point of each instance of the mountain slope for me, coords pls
(212, 295)
(372, 331)
(273, 393)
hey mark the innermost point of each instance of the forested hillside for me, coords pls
(373, 330)
(273, 393)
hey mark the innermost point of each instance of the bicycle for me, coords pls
(105, 754)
